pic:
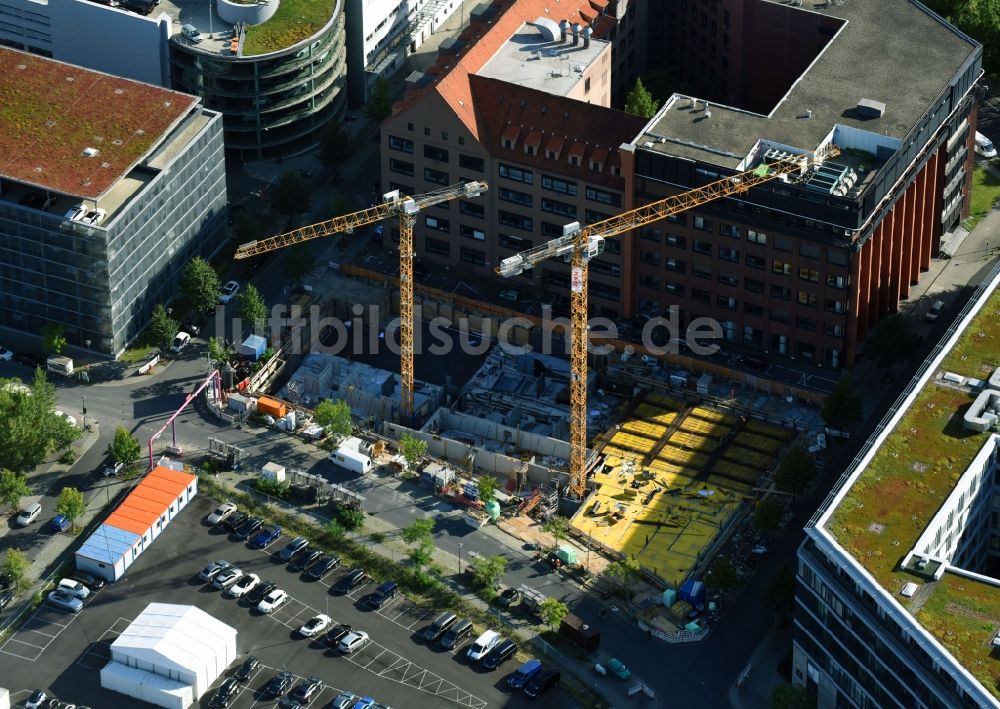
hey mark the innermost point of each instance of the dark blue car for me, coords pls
(60, 523)
(266, 537)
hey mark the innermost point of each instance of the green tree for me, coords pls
(335, 145)
(796, 471)
(352, 518)
(124, 448)
(53, 337)
(412, 449)
(722, 575)
(161, 328)
(553, 611)
(253, 308)
(31, 429)
(15, 566)
(419, 530)
(779, 593)
(12, 488)
(557, 526)
(216, 352)
(298, 262)
(842, 407)
(623, 572)
(892, 341)
(200, 285)
(334, 417)
(247, 228)
(767, 515)
(71, 504)
(379, 105)
(487, 485)
(335, 530)
(791, 696)
(640, 102)
(488, 570)
(981, 19)
(290, 195)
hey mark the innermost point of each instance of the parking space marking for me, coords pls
(397, 668)
(39, 619)
(356, 593)
(101, 648)
(408, 621)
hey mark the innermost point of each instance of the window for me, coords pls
(702, 296)
(557, 184)
(806, 298)
(835, 306)
(437, 246)
(435, 176)
(837, 256)
(477, 258)
(597, 195)
(834, 330)
(805, 323)
(556, 207)
(586, 85)
(730, 279)
(650, 258)
(729, 254)
(729, 230)
(809, 250)
(781, 292)
(782, 243)
(672, 264)
(507, 143)
(433, 153)
(592, 216)
(522, 198)
(471, 232)
(516, 174)
(550, 229)
(753, 285)
(403, 189)
(444, 135)
(427, 131)
(780, 316)
(401, 166)
(651, 282)
(612, 246)
(437, 223)
(403, 145)
(702, 247)
(461, 140)
(782, 267)
(471, 209)
(726, 302)
(609, 269)
(753, 309)
(605, 292)
(650, 234)
(471, 163)
(675, 288)
(517, 221)
(679, 241)
(409, 127)
(554, 278)
(700, 271)
(755, 261)
(809, 274)
(756, 237)
(517, 243)
(703, 224)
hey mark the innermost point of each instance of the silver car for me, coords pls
(214, 569)
(344, 700)
(66, 601)
(227, 577)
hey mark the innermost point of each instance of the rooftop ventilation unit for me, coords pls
(91, 152)
(869, 108)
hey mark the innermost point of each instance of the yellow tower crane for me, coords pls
(393, 203)
(582, 244)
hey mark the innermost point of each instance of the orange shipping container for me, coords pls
(274, 407)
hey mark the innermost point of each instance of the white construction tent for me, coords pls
(169, 655)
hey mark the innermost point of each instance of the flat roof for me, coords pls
(905, 68)
(51, 112)
(531, 58)
(894, 492)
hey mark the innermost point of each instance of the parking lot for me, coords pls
(64, 653)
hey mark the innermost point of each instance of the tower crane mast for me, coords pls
(582, 244)
(393, 203)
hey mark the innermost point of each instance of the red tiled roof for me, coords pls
(600, 155)
(50, 112)
(555, 144)
(511, 133)
(504, 109)
(534, 139)
(484, 39)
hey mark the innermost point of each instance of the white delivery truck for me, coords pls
(350, 456)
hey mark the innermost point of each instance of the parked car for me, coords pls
(75, 213)
(214, 569)
(265, 537)
(456, 634)
(618, 668)
(337, 633)
(484, 643)
(383, 594)
(94, 217)
(247, 669)
(524, 674)
(353, 579)
(28, 515)
(500, 654)
(191, 327)
(225, 693)
(229, 291)
(243, 585)
(509, 598)
(307, 689)
(439, 627)
(354, 640)
(935, 311)
(315, 625)
(71, 420)
(65, 600)
(248, 528)
(74, 588)
(272, 601)
(36, 700)
(6, 355)
(234, 521)
(278, 684)
(344, 700)
(542, 683)
(257, 595)
(181, 340)
(6, 597)
(227, 577)
(294, 548)
(60, 523)
(364, 703)
(29, 360)
(220, 513)
(322, 566)
(304, 561)
(112, 469)
(94, 583)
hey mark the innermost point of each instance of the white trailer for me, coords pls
(349, 456)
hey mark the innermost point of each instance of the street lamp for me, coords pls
(460, 558)
(87, 343)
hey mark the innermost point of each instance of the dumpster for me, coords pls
(566, 554)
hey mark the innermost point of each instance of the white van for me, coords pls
(984, 146)
(28, 515)
(484, 643)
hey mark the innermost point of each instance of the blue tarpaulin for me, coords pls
(253, 347)
(693, 592)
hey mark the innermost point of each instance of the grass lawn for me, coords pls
(294, 21)
(136, 355)
(985, 192)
